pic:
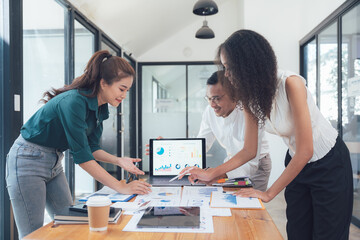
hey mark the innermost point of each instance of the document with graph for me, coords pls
(161, 196)
(228, 200)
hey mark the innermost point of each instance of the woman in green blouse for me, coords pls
(72, 118)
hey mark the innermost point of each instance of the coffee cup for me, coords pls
(98, 212)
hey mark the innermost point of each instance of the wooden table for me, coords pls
(243, 224)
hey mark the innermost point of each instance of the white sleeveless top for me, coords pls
(282, 123)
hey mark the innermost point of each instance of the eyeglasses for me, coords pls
(215, 99)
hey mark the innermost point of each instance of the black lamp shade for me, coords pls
(205, 32)
(205, 8)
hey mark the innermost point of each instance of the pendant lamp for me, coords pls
(205, 32)
(205, 8)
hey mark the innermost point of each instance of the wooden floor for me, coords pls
(276, 209)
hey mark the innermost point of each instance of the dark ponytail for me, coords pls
(102, 65)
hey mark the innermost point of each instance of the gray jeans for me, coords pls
(262, 174)
(35, 180)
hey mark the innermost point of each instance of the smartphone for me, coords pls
(79, 208)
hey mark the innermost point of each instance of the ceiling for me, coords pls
(140, 25)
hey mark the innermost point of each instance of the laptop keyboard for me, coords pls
(165, 181)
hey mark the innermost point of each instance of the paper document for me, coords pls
(200, 191)
(161, 196)
(222, 199)
(197, 196)
(164, 192)
(112, 194)
(131, 206)
(219, 212)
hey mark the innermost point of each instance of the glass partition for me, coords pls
(338, 43)
(350, 56)
(173, 103)
(328, 67)
(43, 51)
(310, 62)
(84, 49)
(128, 109)
(197, 77)
(43, 54)
(163, 103)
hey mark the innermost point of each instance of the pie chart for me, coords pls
(160, 151)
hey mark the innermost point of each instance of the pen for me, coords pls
(144, 204)
(241, 183)
(182, 174)
(222, 180)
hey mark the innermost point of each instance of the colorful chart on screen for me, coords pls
(170, 157)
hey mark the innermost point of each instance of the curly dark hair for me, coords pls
(252, 65)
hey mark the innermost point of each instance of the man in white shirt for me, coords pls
(223, 120)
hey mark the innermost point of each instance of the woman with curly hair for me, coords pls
(318, 177)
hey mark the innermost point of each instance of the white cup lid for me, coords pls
(98, 201)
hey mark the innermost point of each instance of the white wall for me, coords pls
(285, 22)
(183, 46)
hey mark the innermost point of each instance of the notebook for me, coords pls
(169, 156)
(67, 216)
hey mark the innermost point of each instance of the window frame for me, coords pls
(336, 16)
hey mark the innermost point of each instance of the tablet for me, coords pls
(170, 217)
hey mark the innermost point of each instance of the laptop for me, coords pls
(169, 156)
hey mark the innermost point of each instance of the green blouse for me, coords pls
(68, 121)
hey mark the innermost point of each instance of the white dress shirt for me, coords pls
(229, 132)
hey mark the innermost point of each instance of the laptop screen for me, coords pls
(169, 156)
